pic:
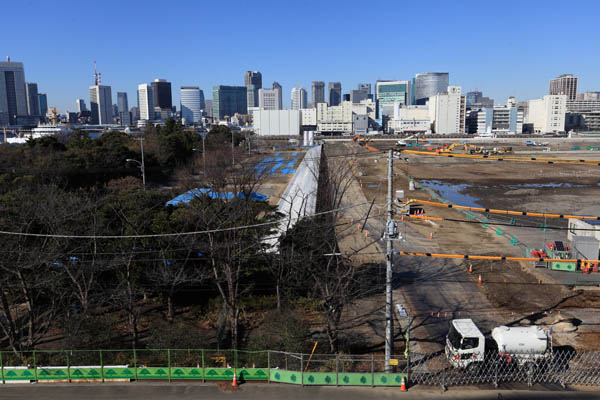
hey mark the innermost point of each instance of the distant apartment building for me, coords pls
(269, 99)
(334, 120)
(548, 114)
(146, 102)
(409, 119)
(388, 93)
(277, 87)
(13, 98)
(191, 104)
(229, 100)
(447, 111)
(101, 105)
(318, 93)
(162, 98)
(565, 84)
(426, 85)
(589, 96)
(334, 90)
(299, 98)
(583, 115)
(506, 119)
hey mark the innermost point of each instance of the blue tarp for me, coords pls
(190, 194)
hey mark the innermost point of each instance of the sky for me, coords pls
(502, 48)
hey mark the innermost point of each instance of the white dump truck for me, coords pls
(467, 347)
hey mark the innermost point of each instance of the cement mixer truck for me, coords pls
(524, 347)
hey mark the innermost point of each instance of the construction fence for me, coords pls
(203, 365)
(559, 367)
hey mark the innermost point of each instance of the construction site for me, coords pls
(485, 260)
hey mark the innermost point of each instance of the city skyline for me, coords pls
(519, 65)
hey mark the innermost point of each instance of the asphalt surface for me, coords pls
(184, 391)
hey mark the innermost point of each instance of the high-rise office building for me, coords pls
(43, 104)
(13, 100)
(80, 105)
(475, 99)
(253, 82)
(565, 84)
(318, 93)
(389, 92)
(146, 102)
(122, 103)
(299, 97)
(365, 87)
(362, 93)
(101, 105)
(31, 92)
(269, 99)
(202, 102)
(428, 84)
(276, 86)
(335, 93)
(208, 104)
(162, 98)
(191, 104)
(229, 100)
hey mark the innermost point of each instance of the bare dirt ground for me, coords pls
(513, 289)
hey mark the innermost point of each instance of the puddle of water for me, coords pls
(452, 193)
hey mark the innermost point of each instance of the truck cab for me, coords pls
(465, 344)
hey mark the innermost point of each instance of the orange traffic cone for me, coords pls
(479, 280)
(471, 268)
(431, 235)
(234, 383)
(403, 385)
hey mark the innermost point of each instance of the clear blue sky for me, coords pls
(502, 48)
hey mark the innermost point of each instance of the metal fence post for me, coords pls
(530, 374)
(68, 367)
(35, 367)
(203, 369)
(372, 370)
(169, 363)
(101, 366)
(2, 368)
(443, 379)
(135, 364)
(564, 376)
(302, 368)
(496, 374)
(337, 369)
(269, 366)
(235, 358)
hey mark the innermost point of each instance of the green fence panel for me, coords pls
(219, 374)
(186, 373)
(283, 376)
(118, 373)
(50, 374)
(146, 373)
(355, 379)
(254, 374)
(12, 374)
(388, 379)
(319, 378)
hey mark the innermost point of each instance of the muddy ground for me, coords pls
(516, 290)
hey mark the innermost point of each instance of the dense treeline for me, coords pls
(93, 260)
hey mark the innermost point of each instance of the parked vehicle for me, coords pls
(467, 347)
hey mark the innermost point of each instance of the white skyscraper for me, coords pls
(269, 99)
(101, 105)
(548, 114)
(146, 102)
(191, 104)
(299, 98)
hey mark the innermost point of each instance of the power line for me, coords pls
(154, 235)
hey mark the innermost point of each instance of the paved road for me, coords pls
(185, 391)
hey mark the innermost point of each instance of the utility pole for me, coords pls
(204, 154)
(232, 155)
(390, 234)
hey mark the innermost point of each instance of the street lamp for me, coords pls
(141, 166)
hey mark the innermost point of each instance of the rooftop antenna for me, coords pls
(97, 79)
